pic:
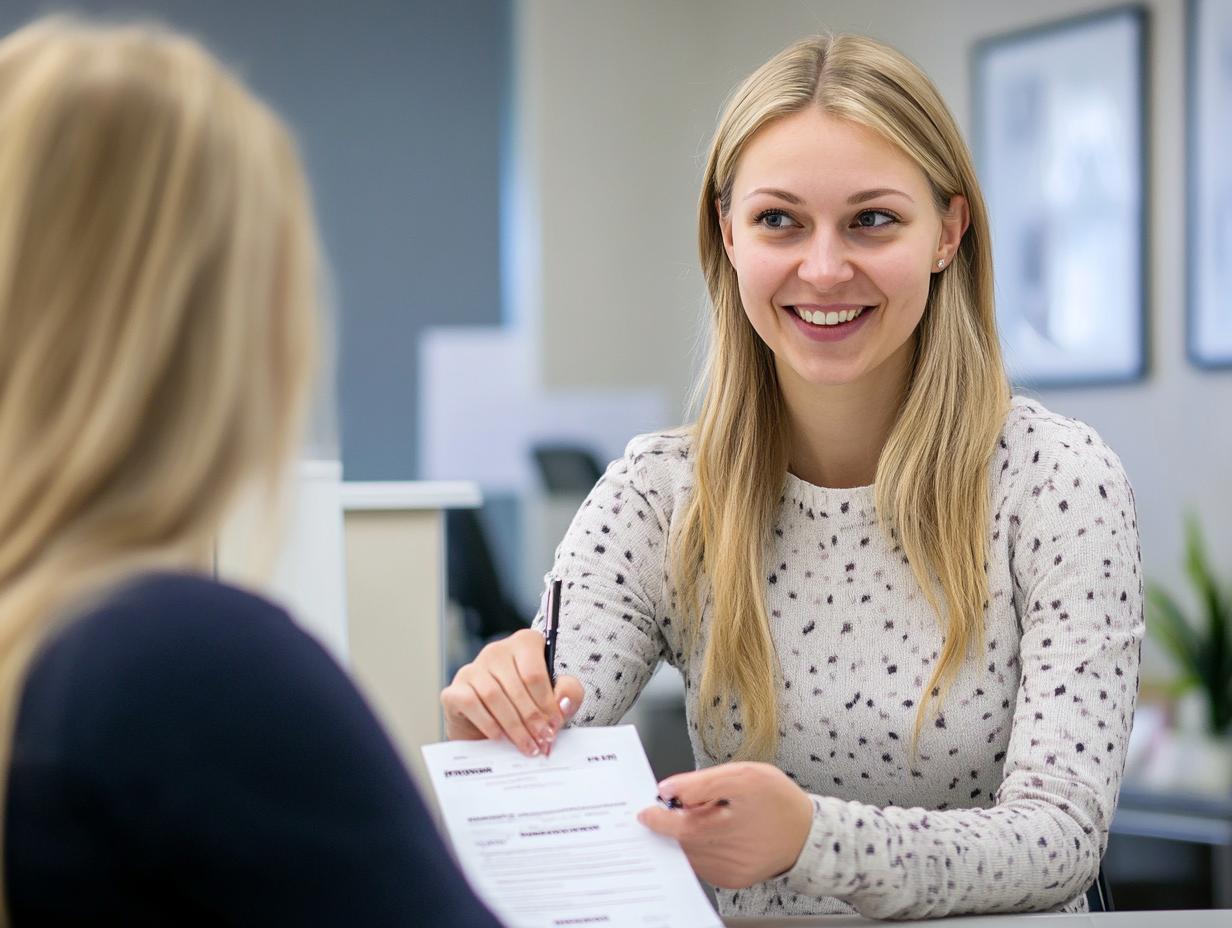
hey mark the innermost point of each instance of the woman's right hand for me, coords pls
(505, 692)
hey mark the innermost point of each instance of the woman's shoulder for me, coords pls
(658, 463)
(168, 662)
(1044, 454)
(158, 635)
(176, 610)
(1035, 434)
(666, 446)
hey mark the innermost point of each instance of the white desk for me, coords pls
(395, 578)
(1210, 918)
(362, 565)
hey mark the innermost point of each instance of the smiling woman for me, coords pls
(821, 257)
(907, 605)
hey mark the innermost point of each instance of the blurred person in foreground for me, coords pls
(175, 750)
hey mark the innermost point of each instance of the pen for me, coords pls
(675, 803)
(552, 623)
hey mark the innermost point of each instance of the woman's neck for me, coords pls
(837, 431)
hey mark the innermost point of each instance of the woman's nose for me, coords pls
(825, 262)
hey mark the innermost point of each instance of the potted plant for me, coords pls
(1201, 647)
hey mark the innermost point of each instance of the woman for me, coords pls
(175, 750)
(907, 606)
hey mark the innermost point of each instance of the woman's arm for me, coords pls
(1076, 566)
(1077, 570)
(612, 564)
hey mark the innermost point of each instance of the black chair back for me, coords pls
(472, 580)
(1099, 896)
(567, 468)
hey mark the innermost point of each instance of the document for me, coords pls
(554, 841)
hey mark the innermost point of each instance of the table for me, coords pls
(1209, 918)
(1175, 816)
(395, 599)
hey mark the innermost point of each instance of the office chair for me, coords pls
(472, 580)
(567, 468)
(1099, 896)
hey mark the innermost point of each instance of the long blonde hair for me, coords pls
(159, 272)
(932, 484)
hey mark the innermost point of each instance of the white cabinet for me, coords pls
(362, 567)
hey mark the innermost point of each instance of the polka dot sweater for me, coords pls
(1006, 805)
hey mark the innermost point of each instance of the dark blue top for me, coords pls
(184, 754)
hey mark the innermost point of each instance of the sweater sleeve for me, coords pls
(1078, 592)
(612, 566)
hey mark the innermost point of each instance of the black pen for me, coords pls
(551, 624)
(676, 803)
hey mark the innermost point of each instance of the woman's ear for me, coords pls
(726, 227)
(954, 223)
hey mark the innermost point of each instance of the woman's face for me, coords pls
(834, 236)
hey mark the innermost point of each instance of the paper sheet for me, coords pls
(555, 841)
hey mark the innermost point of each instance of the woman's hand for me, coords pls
(739, 823)
(505, 692)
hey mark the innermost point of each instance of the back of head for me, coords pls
(158, 275)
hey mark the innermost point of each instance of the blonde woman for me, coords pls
(175, 751)
(907, 606)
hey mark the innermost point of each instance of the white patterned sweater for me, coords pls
(1006, 805)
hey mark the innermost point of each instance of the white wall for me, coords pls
(615, 105)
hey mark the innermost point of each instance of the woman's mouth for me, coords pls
(828, 317)
(829, 323)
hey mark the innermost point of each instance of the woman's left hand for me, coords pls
(739, 823)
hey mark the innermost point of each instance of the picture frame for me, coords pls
(1208, 336)
(1060, 136)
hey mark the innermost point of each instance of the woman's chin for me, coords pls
(828, 375)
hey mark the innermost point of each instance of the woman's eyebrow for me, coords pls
(851, 200)
(873, 194)
(776, 192)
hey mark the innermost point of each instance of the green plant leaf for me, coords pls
(1168, 624)
(1183, 684)
(1214, 653)
(1198, 567)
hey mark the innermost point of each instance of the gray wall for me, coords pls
(640, 99)
(398, 105)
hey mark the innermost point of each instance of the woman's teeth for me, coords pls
(831, 318)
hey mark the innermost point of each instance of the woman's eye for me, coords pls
(875, 219)
(774, 219)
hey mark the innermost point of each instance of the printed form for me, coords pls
(554, 841)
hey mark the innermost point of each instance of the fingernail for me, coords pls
(546, 734)
(535, 752)
(566, 704)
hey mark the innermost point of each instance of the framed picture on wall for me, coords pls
(1060, 142)
(1209, 238)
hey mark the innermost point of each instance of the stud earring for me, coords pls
(941, 263)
